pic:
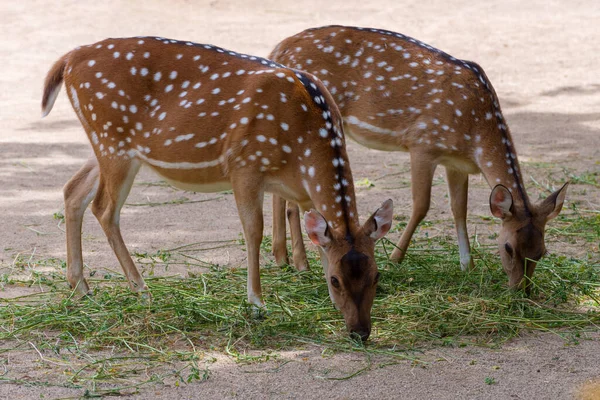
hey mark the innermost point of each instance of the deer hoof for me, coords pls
(82, 288)
(259, 312)
(145, 296)
(397, 256)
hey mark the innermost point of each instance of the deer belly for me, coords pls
(207, 180)
(203, 188)
(461, 164)
(372, 136)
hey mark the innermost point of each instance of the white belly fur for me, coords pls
(375, 144)
(199, 187)
(460, 164)
(196, 187)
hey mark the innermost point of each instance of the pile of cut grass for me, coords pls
(427, 300)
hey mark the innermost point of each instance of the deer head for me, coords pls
(521, 239)
(351, 270)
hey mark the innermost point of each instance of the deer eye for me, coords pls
(376, 279)
(335, 282)
(509, 249)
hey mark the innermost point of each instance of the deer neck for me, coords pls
(333, 196)
(498, 161)
(325, 180)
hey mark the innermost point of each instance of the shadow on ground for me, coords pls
(565, 135)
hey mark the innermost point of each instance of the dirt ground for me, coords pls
(542, 56)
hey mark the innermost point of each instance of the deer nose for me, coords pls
(363, 334)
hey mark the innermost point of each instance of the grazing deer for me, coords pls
(208, 119)
(396, 93)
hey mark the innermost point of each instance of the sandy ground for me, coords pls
(542, 56)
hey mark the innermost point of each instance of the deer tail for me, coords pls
(52, 85)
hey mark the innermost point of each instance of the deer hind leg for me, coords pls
(116, 180)
(249, 199)
(298, 249)
(458, 188)
(279, 238)
(78, 193)
(422, 168)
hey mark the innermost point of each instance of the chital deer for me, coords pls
(207, 119)
(396, 93)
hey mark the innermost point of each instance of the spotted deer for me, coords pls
(207, 119)
(396, 93)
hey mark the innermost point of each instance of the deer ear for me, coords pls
(381, 221)
(501, 202)
(552, 205)
(316, 228)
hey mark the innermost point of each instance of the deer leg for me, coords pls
(458, 189)
(116, 180)
(249, 200)
(422, 168)
(279, 238)
(298, 249)
(78, 193)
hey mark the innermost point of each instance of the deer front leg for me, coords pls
(78, 193)
(422, 168)
(279, 238)
(458, 189)
(298, 249)
(249, 199)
